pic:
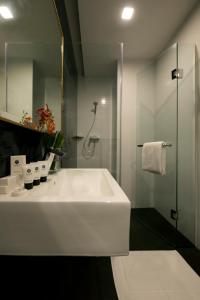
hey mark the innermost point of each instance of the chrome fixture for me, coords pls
(163, 145)
(177, 74)
(56, 151)
(88, 150)
(94, 109)
(52, 149)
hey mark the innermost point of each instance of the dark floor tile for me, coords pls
(192, 256)
(156, 223)
(144, 238)
(74, 278)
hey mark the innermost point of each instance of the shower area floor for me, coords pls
(151, 231)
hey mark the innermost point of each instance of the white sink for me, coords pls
(77, 212)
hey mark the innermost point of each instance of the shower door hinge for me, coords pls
(177, 74)
(174, 214)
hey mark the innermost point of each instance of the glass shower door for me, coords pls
(186, 200)
(165, 129)
(157, 121)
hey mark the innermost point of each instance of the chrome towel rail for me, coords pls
(163, 145)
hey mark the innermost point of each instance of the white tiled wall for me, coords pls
(52, 96)
(19, 86)
(128, 127)
(145, 132)
(93, 90)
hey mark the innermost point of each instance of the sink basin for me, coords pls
(80, 212)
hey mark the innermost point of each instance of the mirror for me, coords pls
(30, 60)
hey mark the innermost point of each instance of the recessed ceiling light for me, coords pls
(5, 12)
(127, 13)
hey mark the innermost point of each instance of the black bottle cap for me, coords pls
(43, 179)
(28, 186)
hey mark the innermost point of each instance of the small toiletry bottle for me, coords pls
(36, 173)
(44, 168)
(16, 164)
(28, 176)
(8, 184)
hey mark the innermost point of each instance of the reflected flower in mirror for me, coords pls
(27, 121)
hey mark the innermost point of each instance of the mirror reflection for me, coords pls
(30, 60)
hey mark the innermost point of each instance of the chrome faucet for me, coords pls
(56, 151)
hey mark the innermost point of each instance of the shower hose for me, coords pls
(88, 148)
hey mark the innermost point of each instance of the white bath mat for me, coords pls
(155, 275)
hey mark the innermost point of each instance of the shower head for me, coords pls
(94, 109)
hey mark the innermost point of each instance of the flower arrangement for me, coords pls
(26, 120)
(46, 119)
(46, 123)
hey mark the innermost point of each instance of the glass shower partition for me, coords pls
(97, 93)
(166, 112)
(157, 121)
(187, 197)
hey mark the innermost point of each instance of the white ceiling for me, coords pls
(145, 36)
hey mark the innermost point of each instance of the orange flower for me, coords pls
(46, 119)
(51, 126)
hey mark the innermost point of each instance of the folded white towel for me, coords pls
(154, 158)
